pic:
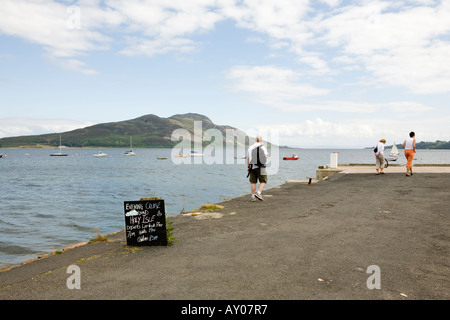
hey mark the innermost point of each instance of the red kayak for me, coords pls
(290, 158)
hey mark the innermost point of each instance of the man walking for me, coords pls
(256, 160)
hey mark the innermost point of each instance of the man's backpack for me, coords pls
(259, 157)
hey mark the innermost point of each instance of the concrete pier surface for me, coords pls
(351, 236)
(325, 171)
(394, 168)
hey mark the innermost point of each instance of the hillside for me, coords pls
(149, 131)
(438, 144)
(433, 145)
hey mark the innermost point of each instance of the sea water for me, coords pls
(47, 203)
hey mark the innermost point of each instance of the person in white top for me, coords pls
(410, 150)
(379, 155)
(256, 160)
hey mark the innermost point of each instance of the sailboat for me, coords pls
(196, 154)
(394, 153)
(100, 154)
(59, 154)
(130, 152)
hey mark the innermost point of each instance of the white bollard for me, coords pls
(334, 160)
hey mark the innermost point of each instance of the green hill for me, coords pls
(438, 144)
(433, 145)
(149, 131)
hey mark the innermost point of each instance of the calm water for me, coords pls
(48, 202)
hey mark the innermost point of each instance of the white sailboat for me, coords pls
(393, 155)
(100, 154)
(394, 151)
(196, 154)
(130, 152)
(59, 154)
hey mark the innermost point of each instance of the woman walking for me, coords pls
(410, 150)
(379, 155)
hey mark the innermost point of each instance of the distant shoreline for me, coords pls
(400, 148)
(424, 145)
(68, 148)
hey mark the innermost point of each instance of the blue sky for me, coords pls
(327, 73)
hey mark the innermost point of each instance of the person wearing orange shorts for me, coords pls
(409, 145)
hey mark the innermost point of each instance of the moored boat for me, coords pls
(394, 152)
(59, 154)
(130, 152)
(294, 157)
(196, 154)
(100, 154)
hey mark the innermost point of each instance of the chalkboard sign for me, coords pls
(145, 223)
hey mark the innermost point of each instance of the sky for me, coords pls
(316, 74)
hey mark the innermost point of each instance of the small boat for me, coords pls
(59, 154)
(130, 152)
(162, 158)
(294, 157)
(196, 154)
(180, 155)
(100, 154)
(394, 151)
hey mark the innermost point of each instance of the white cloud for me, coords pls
(320, 133)
(146, 47)
(164, 26)
(332, 3)
(423, 2)
(283, 89)
(319, 66)
(353, 133)
(401, 47)
(412, 108)
(74, 65)
(277, 18)
(421, 70)
(403, 44)
(46, 23)
(11, 127)
(272, 86)
(66, 30)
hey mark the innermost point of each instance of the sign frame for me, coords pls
(145, 222)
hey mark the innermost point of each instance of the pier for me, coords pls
(304, 241)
